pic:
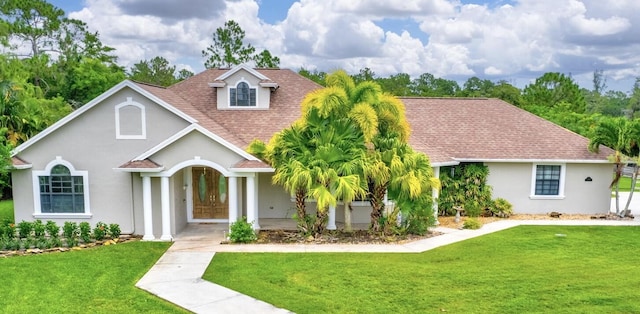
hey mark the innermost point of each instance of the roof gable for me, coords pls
(195, 128)
(95, 102)
(245, 67)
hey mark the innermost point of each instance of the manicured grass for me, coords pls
(527, 269)
(625, 185)
(6, 210)
(98, 280)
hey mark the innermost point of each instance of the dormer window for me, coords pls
(242, 95)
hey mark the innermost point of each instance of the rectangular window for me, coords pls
(547, 180)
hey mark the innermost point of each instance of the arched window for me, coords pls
(242, 96)
(61, 190)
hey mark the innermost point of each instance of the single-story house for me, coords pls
(155, 159)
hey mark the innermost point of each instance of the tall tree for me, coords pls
(476, 87)
(156, 71)
(265, 60)
(554, 88)
(428, 85)
(51, 45)
(507, 92)
(634, 100)
(396, 84)
(228, 48)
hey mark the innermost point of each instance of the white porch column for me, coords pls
(434, 195)
(252, 201)
(256, 205)
(166, 209)
(233, 200)
(331, 224)
(146, 205)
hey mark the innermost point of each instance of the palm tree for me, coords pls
(621, 135)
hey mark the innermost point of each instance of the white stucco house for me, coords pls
(155, 159)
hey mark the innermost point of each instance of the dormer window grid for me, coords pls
(242, 95)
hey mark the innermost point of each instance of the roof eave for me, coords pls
(245, 170)
(536, 160)
(159, 169)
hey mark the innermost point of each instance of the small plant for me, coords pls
(70, 232)
(9, 231)
(242, 232)
(24, 229)
(55, 242)
(502, 208)
(39, 229)
(29, 242)
(472, 209)
(114, 231)
(471, 223)
(53, 230)
(100, 231)
(13, 244)
(85, 232)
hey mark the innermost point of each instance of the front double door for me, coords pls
(210, 194)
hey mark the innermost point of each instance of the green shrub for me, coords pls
(70, 232)
(114, 231)
(471, 223)
(39, 229)
(8, 230)
(100, 231)
(242, 232)
(25, 228)
(53, 230)
(472, 209)
(85, 232)
(501, 208)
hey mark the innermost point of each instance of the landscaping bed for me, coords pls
(366, 237)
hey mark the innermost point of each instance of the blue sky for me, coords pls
(515, 41)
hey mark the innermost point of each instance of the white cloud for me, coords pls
(523, 39)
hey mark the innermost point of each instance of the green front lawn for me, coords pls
(6, 210)
(539, 269)
(98, 280)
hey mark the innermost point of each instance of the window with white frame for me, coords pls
(548, 180)
(242, 95)
(60, 189)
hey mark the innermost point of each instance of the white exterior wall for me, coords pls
(513, 182)
(275, 202)
(89, 142)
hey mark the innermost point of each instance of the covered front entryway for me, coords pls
(209, 195)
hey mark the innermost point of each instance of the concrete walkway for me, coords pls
(176, 277)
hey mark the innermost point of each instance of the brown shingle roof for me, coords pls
(248, 125)
(251, 164)
(183, 105)
(491, 129)
(17, 162)
(140, 164)
(443, 128)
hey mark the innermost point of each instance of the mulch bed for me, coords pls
(336, 237)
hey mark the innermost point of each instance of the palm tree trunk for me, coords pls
(320, 222)
(301, 212)
(347, 217)
(634, 177)
(616, 183)
(376, 199)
